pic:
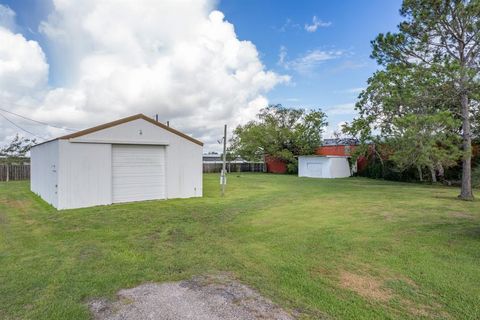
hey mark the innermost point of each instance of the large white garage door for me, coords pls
(138, 173)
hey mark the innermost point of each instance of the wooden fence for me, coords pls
(14, 172)
(234, 167)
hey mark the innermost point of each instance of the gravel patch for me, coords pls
(201, 298)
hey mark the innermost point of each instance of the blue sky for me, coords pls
(331, 84)
(323, 46)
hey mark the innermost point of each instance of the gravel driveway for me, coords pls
(202, 298)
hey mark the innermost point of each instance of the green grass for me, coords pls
(346, 248)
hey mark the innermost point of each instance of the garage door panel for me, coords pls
(138, 172)
(128, 184)
(126, 161)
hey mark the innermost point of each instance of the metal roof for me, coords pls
(121, 121)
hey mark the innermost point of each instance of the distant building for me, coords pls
(331, 160)
(212, 158)
(315, 166)
(340, 142)
(275, 165)
(218, 158)
(337, 147)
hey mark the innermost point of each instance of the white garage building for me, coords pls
(131, 159)
(315, 166)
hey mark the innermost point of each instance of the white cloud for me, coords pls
(355, 90)
(351, 90)
(316, 23)
(341, 109)
(7, 17)
(282, 56)
(289, 24)
(23, 78)
(308, 61)
(335, 130)
(176, 58)
(338, 116)
(348, 65)
(22, 66)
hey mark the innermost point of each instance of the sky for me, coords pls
(198, 64)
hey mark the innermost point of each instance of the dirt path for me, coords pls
(202, 298)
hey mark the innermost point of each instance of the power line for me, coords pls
(16, 125)
(40, 122)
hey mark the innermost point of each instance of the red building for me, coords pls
(275, 165)
(342, 148)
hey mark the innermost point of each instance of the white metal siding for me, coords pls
(85, 175)
(183, 158)
(315, 169)
(44, 171)
(339, 167)
(138, 173)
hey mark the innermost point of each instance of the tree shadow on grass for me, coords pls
(457, 228)
(472, 232)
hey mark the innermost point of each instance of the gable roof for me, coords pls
(121, 121)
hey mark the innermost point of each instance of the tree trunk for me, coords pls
(379, 158)
(466, 191)
(441, 171)
(433, 174)
(420, 175)
(8, 173)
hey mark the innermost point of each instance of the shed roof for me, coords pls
(121, 121)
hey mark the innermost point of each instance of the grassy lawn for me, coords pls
(346, 248)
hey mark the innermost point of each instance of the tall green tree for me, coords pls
(280, 132)
(439, 39)
(424, 141)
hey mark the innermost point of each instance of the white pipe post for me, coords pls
(223, 175)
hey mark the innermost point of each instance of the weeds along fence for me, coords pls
(13, 172)
(234, 167)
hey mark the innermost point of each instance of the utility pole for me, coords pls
(223, 174)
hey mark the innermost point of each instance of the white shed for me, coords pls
(323, 166)
(131, 159)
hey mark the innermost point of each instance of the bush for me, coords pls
(476, 176)
(375, 170)
(292, 167)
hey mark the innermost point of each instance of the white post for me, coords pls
(223, 174)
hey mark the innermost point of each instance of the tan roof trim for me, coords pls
(124, 120)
